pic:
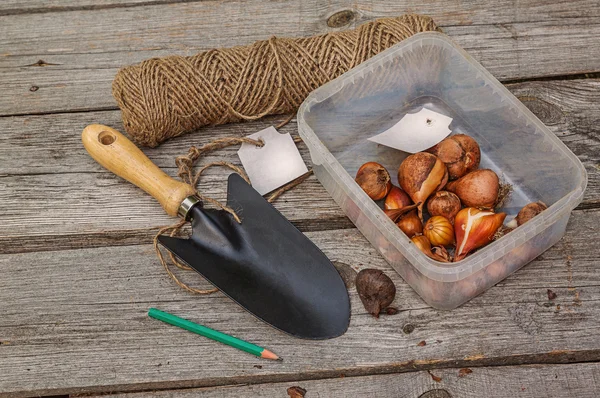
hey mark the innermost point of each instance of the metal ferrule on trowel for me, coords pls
(264, 263)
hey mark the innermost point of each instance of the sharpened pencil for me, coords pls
(212, 334)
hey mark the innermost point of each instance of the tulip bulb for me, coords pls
(410, 224)
(445, 204)
(475, 228)
(439, 231)
(460, 153)
(477, 189)
(425, 246)
(420, 175)
(441, 251)
(396, 199)
(374, 179)
(527, 213)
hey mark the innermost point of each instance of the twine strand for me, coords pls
(185, 165)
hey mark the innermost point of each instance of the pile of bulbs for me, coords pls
(459, 197)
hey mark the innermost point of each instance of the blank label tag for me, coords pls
(274, 164)
(416, 132)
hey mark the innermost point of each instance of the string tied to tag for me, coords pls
(186, 164)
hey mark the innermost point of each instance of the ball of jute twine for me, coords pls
(185, 165)
(162, 98)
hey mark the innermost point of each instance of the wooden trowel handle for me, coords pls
(116, 153)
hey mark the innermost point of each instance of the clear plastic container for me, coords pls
(430, 70)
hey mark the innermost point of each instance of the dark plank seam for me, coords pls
(575, 76)
(553, 357)
(45, 10)
(143, 236)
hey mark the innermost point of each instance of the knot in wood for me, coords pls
(341, 18)
(547, 112)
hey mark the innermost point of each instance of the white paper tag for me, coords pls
(274, 164)
(415, 132)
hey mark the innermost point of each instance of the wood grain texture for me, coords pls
(55, 196)
(79, 56)
(478, 11)
(97, 208)
(17, 7)
(580, 380)
(75, 321)
(77, 276)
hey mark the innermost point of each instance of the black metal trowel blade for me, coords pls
(266, 265)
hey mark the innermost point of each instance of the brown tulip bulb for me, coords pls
(460, 153)
(477, 189)
(374, 179)
(475, 228)
(396, 199)
(420, 175)
(527, 213)
(375, 289)
(445, 204)
(410, 224)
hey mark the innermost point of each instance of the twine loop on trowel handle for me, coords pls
(162, 98)
(185, 165)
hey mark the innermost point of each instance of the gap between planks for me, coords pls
(551, 358)
(91, 7)
(516, 381)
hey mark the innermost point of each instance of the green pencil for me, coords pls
(212, 334)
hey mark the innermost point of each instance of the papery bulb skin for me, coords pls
(424, 245)
(475, 228)
(410, 224)
(396, 199)
(529, 211)
(419, 175)
(374, 179)
(460, 153)
(477, 189)
(445, 204)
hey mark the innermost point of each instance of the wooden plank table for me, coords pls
(78, 272)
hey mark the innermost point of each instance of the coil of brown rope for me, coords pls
(162, 98)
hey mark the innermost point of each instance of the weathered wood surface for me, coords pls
(75, 321)
(478, 12)
(530, 381)
(80, 56)
(78, 275)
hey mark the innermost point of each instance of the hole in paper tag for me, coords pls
(416, 132)
(274, 164)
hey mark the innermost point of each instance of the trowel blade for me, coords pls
(266, 265)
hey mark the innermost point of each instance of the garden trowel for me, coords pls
(264, 263)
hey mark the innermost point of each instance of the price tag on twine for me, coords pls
(274, 164)
(416, 132)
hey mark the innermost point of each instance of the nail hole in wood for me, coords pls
(106, 138)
